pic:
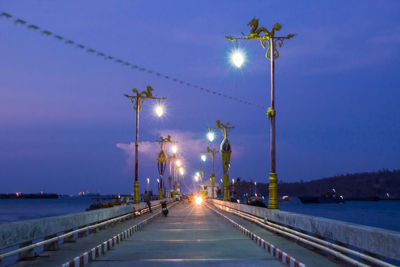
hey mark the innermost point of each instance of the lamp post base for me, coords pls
(226, 182)
(273, 191)
(212, 186)
(136, 192)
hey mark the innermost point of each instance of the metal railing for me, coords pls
(55, 239)
(335, 250)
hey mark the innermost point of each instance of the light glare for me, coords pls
(237, 58)
(159, 110)
(203, 157)
(174, 149)
(210, 136)
(198, 200)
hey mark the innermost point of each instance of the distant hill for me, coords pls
(356, 186)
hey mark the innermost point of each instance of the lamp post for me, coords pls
(177, 165)
(162, 161)
(148, 184)
(212, 153)
(174, 150)
(226, 152)
(268, 38)
(137, 100)
(181, 173)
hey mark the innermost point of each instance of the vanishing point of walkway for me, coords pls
(191, 235)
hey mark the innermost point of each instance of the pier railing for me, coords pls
(364, 242)
(20, 239)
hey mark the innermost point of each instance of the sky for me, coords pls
(65, 126)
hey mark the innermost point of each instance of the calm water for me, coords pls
(383, 214)
(12, 210)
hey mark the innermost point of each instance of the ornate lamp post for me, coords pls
(265, 36)
(162, 162)
(181, 173)
(177, 165)
(226, 151)
(137, 100)
(171, 159)
(212, 153)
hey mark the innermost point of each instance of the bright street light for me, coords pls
(174, 149)
(181, 171)
(196, 178)
(159, 110)
(210, 136)
(178, 163)
(237, 58)
(203, 157)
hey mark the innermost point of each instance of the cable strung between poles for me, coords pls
(122, 62)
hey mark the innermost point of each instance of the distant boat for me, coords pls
(285, 199)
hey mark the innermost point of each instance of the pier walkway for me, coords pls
(191, 235)
(215, 233)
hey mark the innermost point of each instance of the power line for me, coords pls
(136, 67)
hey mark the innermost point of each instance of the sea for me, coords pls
(382, 214)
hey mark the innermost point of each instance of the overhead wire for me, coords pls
(124, 63)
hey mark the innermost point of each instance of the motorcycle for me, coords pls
(164, 208)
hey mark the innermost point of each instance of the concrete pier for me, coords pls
(190, 236)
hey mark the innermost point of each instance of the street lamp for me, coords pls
(162, 160)
(203, 157)
(174, 149)
(137, 100)
(178, 164)
(268, 38)
(159, 110)
(212, 153)
(226, 152)
(237, 58)
(148, 184)
(210, 136)
(181, 173)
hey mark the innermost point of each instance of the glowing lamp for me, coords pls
(198, 200)
(174, 149)
(178, 163)
(159, 110)
(210, 136)
(203, 157)
(237, 58)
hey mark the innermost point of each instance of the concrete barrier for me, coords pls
(13, 234)
(375, 241)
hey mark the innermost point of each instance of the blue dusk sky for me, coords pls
(66, 127)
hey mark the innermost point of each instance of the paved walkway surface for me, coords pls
(191, 235)
(68, 251)
(305, 255)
